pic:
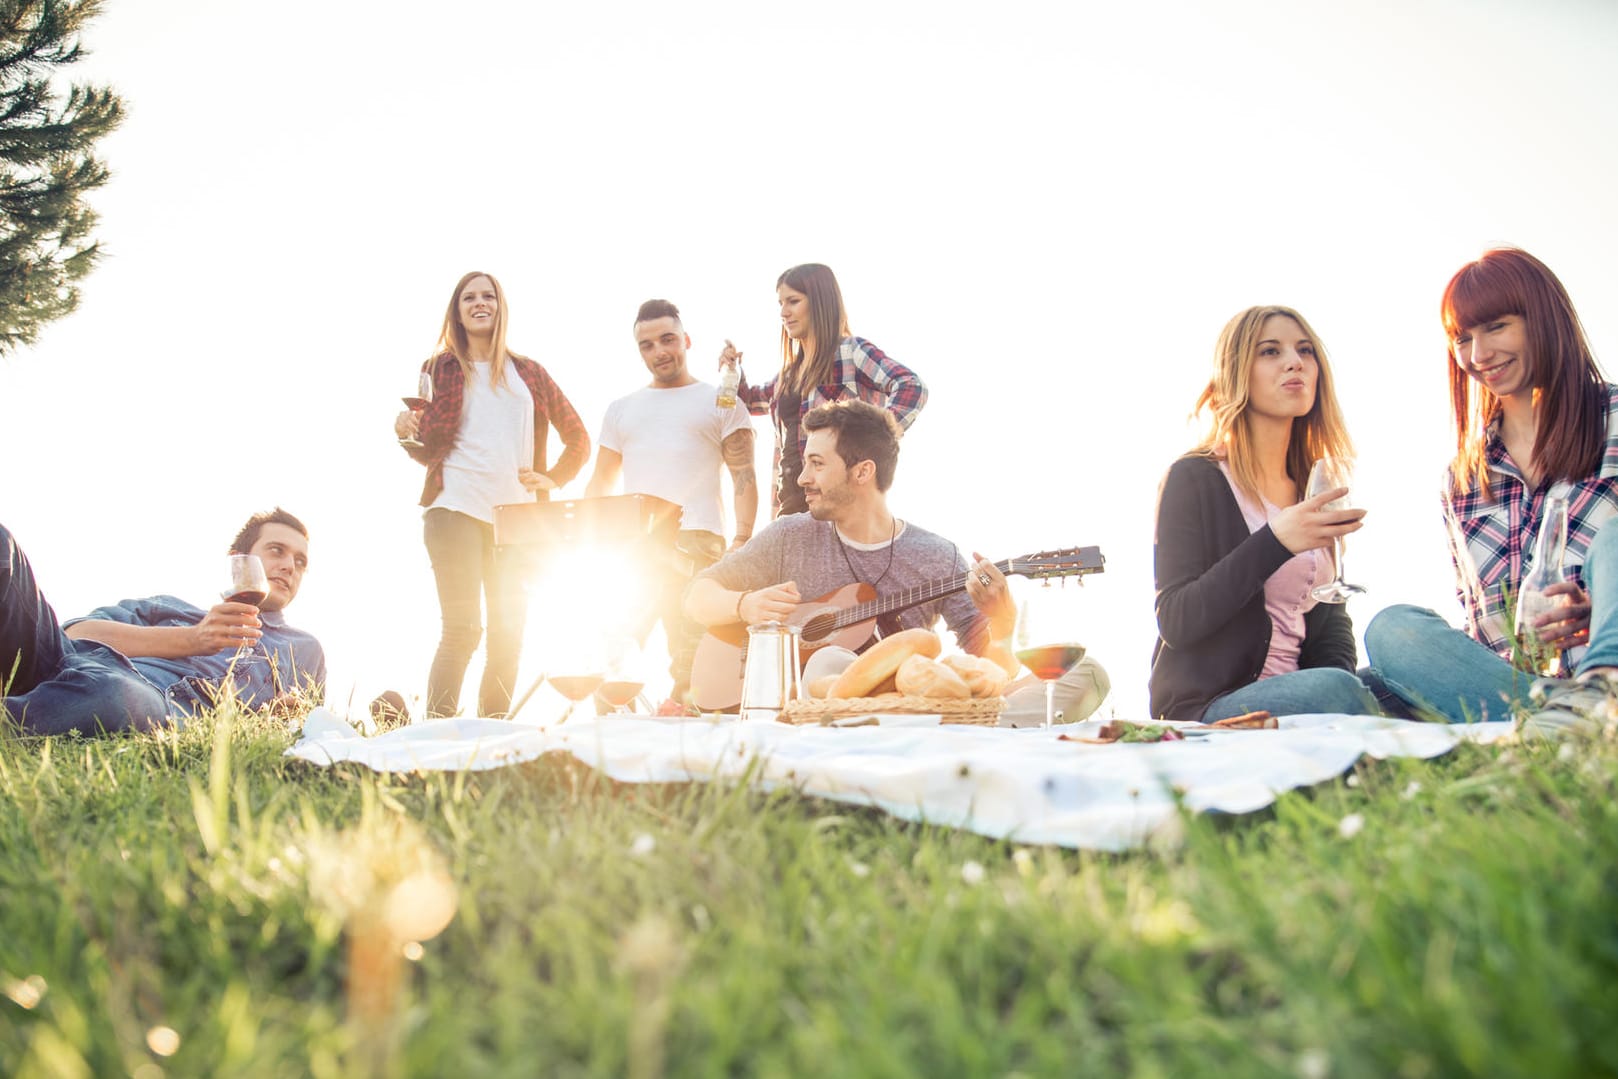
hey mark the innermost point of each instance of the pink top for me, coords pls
(1286, 593)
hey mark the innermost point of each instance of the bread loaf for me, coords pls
(983, 676)
(881, 661)
(922, 677)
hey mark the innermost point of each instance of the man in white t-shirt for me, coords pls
(669, 439)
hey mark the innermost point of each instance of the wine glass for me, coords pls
(623, 680)
(1045, 640)
(248, 584)
(575, 687)
(423, 398)
(1328, 474)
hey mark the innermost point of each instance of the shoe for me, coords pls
(672, 707)
(1583, 707)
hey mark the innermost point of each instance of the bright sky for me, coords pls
(1048, 210)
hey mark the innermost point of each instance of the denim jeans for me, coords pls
(53, 684)
(471, 573)
(1434, 666)
(1313, 689)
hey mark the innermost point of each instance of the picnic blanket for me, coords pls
(1026, 785)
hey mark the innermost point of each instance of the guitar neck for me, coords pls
(910, 597)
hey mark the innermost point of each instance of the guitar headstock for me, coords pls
(1067, 562)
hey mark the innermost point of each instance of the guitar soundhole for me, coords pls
(818, 627)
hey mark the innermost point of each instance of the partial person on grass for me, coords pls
(850, 535)
(482, 438)
(820, 362)
(670, 439)
(1239, 548)
(1535, 420)
(135, 664)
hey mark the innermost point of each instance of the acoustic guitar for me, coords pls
(848, 616)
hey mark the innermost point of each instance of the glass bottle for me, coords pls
(730, 376)
(1545, 570)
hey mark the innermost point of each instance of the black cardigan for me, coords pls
(1213, 630)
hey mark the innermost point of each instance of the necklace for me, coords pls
(893, 541)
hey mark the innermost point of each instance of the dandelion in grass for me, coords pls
(1350, 826)
(1023, 861)
(643, 845)
(164, 1041)
(27, 993)
(859, 869)
(1353, 779)
(1314, 1064)
(972, 873)
(1412, 789)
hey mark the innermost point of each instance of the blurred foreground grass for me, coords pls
(194, 904)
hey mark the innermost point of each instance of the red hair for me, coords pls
(1570, 429)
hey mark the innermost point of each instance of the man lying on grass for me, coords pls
(143, 662)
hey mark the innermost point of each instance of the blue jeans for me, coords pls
(469, 573)
(1313, 689)
(53, 684)
(1434, 666)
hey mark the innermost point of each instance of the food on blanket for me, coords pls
(821, 686)
(983, 676)
(1252, 721)
(881, 661)
(922, 677)
(1121, 730)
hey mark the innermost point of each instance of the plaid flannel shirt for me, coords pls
(441, 423)
(1492, 540)
(861, 372)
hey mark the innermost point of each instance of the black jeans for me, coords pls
(465, 564)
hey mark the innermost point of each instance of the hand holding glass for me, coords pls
(248, 584)
(423, 398)
(1328, 474)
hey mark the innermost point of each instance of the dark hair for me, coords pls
(828, 321)
(243, 543)
(864, 432)
(655, 309)
(1570, 430)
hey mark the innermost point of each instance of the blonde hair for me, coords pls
(452, 337)
(1319, 433)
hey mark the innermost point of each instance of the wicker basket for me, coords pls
(984, 711)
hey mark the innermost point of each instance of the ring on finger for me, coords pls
(983, 579)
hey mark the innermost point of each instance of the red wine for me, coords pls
(576, 687)
(619, 694)
(1050, 661)
(248, 596)
(414, 404)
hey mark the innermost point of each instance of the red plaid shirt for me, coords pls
(441, 423)
(1491, 540)
(861, 372)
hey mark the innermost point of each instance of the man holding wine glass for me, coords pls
(243, 643)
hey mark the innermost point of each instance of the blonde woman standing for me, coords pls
(482, 438)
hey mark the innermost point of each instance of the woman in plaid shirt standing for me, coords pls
(1535, 419)
(820, 362)
(482, 438)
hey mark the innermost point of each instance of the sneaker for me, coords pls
(1585, 706)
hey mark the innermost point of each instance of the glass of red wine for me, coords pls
(418, 403)
(576, 688)
(248, 583)
(623, 681)
(1046, 640)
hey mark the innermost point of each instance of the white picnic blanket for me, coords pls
(1024, 784)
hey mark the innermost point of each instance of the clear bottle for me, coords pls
(730, 376)
(1545, 570)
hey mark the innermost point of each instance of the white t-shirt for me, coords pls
(671, 441)
(496, 439)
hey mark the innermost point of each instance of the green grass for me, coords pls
(202, 883)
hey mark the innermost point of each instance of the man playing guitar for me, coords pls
(849, 536)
